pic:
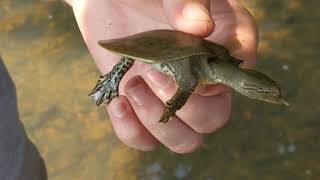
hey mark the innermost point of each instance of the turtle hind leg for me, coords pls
(107, 86)
(176, 102)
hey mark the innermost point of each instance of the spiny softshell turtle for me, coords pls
(189, 60)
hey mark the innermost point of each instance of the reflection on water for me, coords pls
(53, 72)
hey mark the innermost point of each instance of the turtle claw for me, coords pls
(167, 115)
(176, 102)
(236, 62)
(103, 92)
(107, 86)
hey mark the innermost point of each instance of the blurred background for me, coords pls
(53, 72)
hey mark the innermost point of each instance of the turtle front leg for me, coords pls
(107, 86)
(236, 62)
(178, 100)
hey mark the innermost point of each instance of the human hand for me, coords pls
(143, 91)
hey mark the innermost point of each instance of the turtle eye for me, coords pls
(252, 93)
(275, 93)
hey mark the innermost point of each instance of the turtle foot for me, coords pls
(167, 115)
(104, 91)
(108, 85)
(236, 62)
(174, 104)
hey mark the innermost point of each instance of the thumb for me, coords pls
(190, 16)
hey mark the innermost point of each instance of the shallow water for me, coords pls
(53, 71)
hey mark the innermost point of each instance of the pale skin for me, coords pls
(143, 91)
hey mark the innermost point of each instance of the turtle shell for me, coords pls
(158, 46)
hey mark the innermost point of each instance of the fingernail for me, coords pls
(157, 78)
(137, 92)
(196, 11)
(118, 109)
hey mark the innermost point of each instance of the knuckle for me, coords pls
(147, 148)
(211, 125)
(130, 137)
(187, 147)
(137, 139)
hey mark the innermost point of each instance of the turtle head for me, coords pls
(261, 87)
